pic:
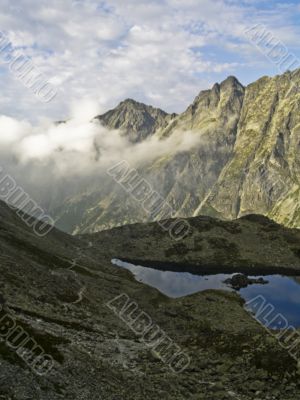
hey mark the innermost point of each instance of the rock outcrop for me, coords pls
(240, 281)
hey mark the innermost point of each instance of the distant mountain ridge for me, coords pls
(247, 161)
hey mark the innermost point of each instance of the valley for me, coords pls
(63, 304)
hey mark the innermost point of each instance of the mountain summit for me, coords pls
(136, 120)
(246, 161)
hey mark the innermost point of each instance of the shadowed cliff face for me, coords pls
(57, 289)
(244, 159)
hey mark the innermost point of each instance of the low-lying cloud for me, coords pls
(61, 158)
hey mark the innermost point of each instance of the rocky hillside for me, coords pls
(56, 289)
(245, 159)
(252, 244)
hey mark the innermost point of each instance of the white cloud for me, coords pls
(12, 131)
(116, 49)
(54, 161)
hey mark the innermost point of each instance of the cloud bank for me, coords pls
(55, 160)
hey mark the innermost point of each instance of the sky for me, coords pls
(161, 52)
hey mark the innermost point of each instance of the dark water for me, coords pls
(281, 291)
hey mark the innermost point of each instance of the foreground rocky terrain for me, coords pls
(57, 288)
(244, 159)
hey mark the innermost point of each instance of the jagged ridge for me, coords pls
(246, 163)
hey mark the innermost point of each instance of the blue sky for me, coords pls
(162, 52)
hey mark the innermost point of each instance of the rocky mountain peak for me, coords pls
(231, 81)
(211, 97)
(132, 103)
(136, 120)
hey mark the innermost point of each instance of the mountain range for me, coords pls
(244, 160)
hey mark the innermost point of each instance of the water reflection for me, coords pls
(175, 284)
(281, 291)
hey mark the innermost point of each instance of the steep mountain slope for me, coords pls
(212, 110)
(182, 179)
(263, 173)
(96, 355)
